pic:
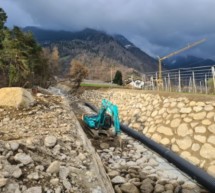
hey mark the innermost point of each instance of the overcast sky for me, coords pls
(158, 27)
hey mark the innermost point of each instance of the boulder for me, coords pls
(16, 97)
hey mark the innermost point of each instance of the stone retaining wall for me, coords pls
(185, 126)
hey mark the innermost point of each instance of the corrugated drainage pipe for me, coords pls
(194, 172)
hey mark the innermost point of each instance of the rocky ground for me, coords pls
(136, 169)
(42, 150)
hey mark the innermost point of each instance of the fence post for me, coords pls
(179, 81)
(152, 82)
(190, 84)
(206, 84)
(213, 75)
(194, 82)
(200, 84)
(165, 83)
(169, 84)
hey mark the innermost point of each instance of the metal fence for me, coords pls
(199, 79)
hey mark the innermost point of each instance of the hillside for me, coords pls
(97, 50)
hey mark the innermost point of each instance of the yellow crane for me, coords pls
(160, 81)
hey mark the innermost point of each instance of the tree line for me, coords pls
(23, 62)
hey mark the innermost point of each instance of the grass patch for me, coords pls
(99, 85)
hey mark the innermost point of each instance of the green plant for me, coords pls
(118, 78)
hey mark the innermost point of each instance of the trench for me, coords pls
(134, 168)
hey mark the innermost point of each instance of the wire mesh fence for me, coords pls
(199, 79)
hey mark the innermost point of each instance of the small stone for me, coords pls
(159, 188)
(14, 145)
(211, 139)
(40, 168)
(211, 170)
(3, 182)
(207, 151)
(200, 138)
(206, 122)
(200, 129)
(185, 110)
(64, 172)
(189, 185)
(104, 146)
(55, 181)
(211, 128)
(199, 116)
(146, 186)
(58, 190)
(50, 141)
(165, 141)
(129, 188)
(175, 148)
(81, 156)
(113, 173)
(209, 108)
(118, 180)
(156, 137)
(175, 123)
(17, 173)
(23, 158)
(165, 130)
(183, 130)
(37, 189)
(117, 189)
(34, 176)
(54, 167)
(184, 143)
(195, 147)
(67, 184)
(169, 187)
(197, 108)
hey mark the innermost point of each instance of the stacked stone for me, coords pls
(185, 126)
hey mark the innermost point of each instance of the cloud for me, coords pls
(158, 26)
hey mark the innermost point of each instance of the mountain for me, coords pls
(187, 62)
(96, 49)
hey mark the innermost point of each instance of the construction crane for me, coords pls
(160, 81)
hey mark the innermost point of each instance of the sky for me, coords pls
(158, 27)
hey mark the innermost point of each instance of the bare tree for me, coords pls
(77, 73)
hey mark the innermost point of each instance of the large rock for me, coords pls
(207, 151)
(16, 97)
(184, 143)
(183, 130)
(129, 188)
(165, 130)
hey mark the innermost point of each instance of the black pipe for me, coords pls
(194, 172)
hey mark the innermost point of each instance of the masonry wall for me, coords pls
(184, 125)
